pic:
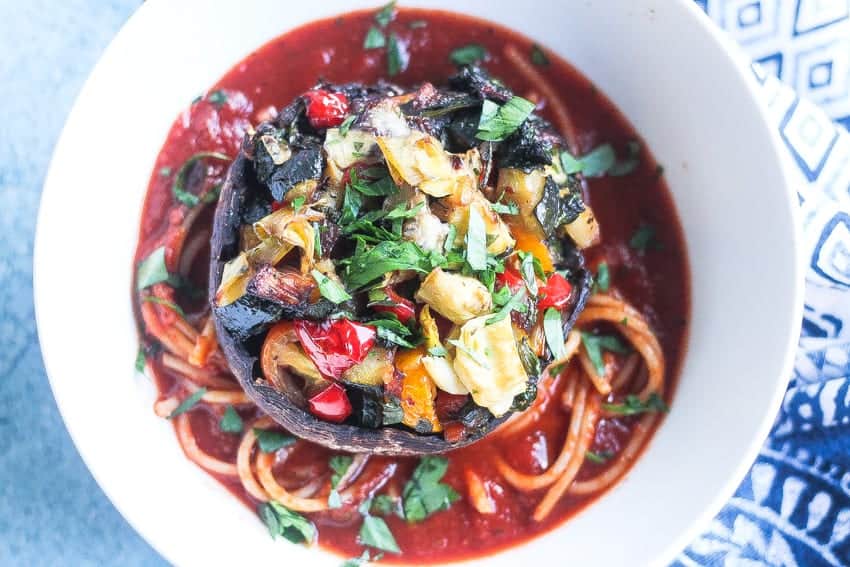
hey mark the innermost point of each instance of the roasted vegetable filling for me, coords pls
(408, 258)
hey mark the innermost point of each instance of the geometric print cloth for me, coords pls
(793, 508)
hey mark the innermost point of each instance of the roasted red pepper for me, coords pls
(556, 293)
(326, 109)
(331, 404)
(402, 308)
(335, 345)
(511, 278)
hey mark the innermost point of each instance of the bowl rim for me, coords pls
(734, 58)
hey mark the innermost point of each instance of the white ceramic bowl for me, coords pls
(661, 62)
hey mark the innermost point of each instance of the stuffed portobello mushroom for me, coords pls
(392, 270)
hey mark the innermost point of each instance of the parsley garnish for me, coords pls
(603, 277)
(140, 359)
(598, 161)
(554, 331)
(424, 494)
(364, 558)
(598, 458)
(386, 14)
(375, 39)
(375, 533)
(339, 465)
(630, 163)
(379, 188)
(330, 290)
(397, 56)
(188, 403)
(470, 353)
(386, 505)
(633, 405)
(152, 269)
(538, 57)
(515, 303)
(217, 97)
(370, 263)
(499, 122)
(164, 171)
(476, 241)
(178, 189)
(392, 330)
(346, 125)
(392, 411)
(528, 270)
(505, 208)
(282, 521)
(643, 239)
(230, 422)
(438, 351)
(468, 54)
(298, 202)
(595, 344)
(270, 441)
(602, 160)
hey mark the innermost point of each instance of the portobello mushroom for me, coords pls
(372, 252)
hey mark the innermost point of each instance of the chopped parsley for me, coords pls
(283, 522)
(438, 351)
(364, 558)
(424, 494)
(165, 303)
(397, 56)
(178, 189)
(270, 441)
(188, 403)
(230, 422)
(375, 39)
(644, 239)
(339, 465)
(346, 125)
(375, 533)
(393, 331)
(217, 98)
(164, 171)
(152, 270)
(386, 14)
(538, 56)
(505, 208)
(379, 188)
(596, 344)
(470, 353)
(554, 331)
(386, 505)
(602, 160)
(598, 458)
(468, 54)
(603, 278)
(499, 122)
(330, 289)
(633, 405)
(141, 360)
(529, 267)
(515, 303)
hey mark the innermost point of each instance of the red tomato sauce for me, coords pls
(655, 282)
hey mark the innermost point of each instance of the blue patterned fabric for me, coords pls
(793, 509)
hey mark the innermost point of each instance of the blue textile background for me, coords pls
(792, 510)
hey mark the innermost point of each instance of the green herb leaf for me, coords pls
(643, 239)
(424, 494)
(403, 212)
(538, 57)
(217, 97)
(141, 360)
(270, 440)
(397, 56)
(634, 405)
(178, 189)
(499, 122)
(152, 269)
(598, 161)
(358, 561)
(346, 124)
(505, 208)
(470, 353)
(476, 241)
(468, 54)
(230, 422)
(515, 303)
(298, 202)
(165, 303)
(570, 164)
(339, 465)
(596, 344)
(188, 403)
(371, 263)
(449, 244)
(386, 14)
(630, 163)
(375, 39)
(379, 188)
(502, 296)
(554, 331)
(603, 277)
(526, 268)
(285, 523)
(375, 533)
(164, 171)
(598, 458)
(330, 290)
(392, 330)
(385, 505)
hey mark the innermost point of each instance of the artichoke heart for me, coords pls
(345, 151)
(294, 229)
(584, 230)
(234, 280)
(499, 238)
(457, 298)
(523, 189)
(487, 362)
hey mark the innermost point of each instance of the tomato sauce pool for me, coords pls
(653, 278)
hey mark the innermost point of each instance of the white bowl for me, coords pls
(667, 69)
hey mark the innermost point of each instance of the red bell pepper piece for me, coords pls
(335, 345)
(556, 293)
(331, 404)
(511, 278)
(402, 307)
(326, 109)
